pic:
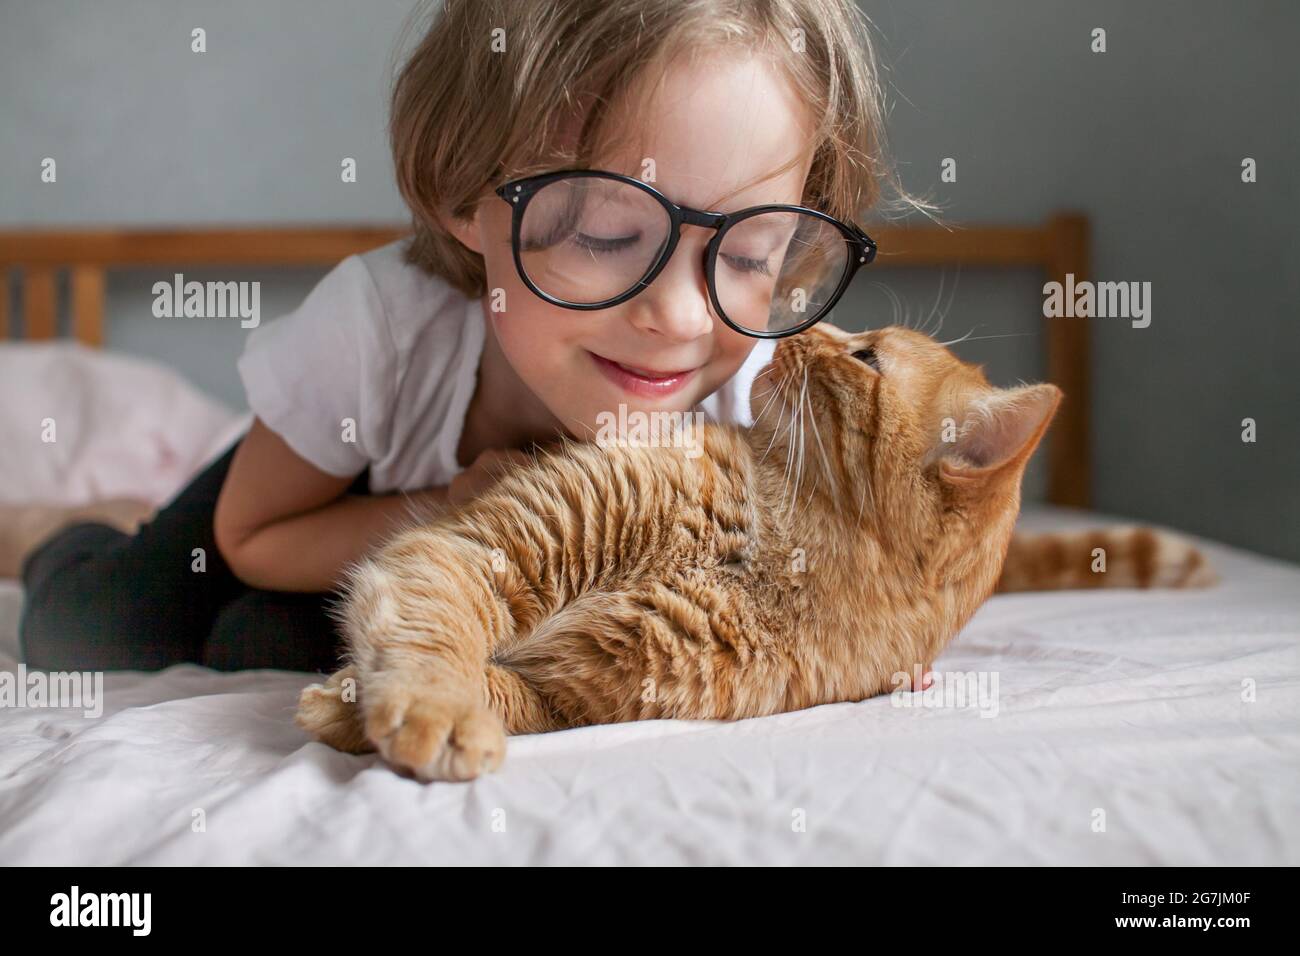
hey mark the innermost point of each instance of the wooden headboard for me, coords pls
(32, 260)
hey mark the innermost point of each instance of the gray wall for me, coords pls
(145, 132)
(1147, 139)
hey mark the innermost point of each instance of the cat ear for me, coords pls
(1000, 432)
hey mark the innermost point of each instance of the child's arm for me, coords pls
(282, 524)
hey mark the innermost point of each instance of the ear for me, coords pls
(466, 231)
(1000, 432)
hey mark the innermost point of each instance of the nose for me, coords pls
(676, 304)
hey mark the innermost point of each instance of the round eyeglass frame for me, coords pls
(518, 192)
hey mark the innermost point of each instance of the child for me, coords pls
(410, 373)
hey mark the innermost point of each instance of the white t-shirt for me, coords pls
(377, 368)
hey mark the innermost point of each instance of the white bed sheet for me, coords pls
(1127, 702)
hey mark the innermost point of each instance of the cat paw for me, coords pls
(435, 736)
(330, 712)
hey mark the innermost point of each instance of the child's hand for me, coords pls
(488, 467)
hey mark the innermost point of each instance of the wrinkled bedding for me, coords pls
(1125, 732)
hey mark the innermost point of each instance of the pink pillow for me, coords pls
(122, 427)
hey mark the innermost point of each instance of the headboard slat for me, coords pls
(4, 302)
(88, 305)
(1069, 474)
(40, 305)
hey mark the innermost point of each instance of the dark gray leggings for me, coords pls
(99, 599)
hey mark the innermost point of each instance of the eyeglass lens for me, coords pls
(585, 240)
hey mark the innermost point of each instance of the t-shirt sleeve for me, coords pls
(324, 376)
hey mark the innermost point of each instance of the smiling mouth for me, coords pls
(640, 380)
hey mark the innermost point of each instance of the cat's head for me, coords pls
(896, 439)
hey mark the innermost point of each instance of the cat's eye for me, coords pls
(868, 355)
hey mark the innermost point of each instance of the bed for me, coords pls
(1131, 727)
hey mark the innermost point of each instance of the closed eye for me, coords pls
(598, 244)
(868, 355)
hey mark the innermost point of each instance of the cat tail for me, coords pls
(1119, 557)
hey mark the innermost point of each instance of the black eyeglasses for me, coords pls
(588, 239)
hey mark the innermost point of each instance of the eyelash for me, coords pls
(758, 266)
(604, 245)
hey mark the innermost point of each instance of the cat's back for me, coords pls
(707, 467)
(659, 506)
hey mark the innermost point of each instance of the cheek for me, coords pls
(506, 293)
(734, 347)
(505, 289)
(541, 341)
(520, 337)
(532, 332)
(731, 351)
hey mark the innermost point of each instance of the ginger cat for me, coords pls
(805, 561)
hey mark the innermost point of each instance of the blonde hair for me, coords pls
(496, 88)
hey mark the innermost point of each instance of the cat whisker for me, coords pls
(894, 300)
(826, 463)
(867, 489)
(832, 477)
(962, 339)
(938, 297)
(795, 451)
(942, 313)
(775, 431)
(896, 304)
(796, 420)
(803, 429)
(789, 456)
(771, 398)
(1005, 335)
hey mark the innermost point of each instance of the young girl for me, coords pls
(522, 309)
